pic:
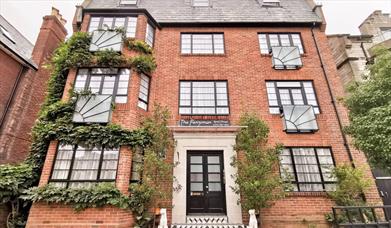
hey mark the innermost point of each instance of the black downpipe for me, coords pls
(345, 141)
(11, 98)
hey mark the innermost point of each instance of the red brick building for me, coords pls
(23, 82)
(216, 60)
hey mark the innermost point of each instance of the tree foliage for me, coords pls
(350, 187)
(257, 180)
(370, 112)
(98, 195)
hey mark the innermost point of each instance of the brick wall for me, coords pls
(15, 134)
(246, 71)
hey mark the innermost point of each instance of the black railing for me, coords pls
(362, 216)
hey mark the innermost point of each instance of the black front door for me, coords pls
(205, 182)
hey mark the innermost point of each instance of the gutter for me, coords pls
(11, 98)
(345, 141)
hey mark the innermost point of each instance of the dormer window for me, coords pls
(6, 34)
(200, 2)
(128, 2)
(269, 2)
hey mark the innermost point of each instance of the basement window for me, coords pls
(7, 34)
(200, 2)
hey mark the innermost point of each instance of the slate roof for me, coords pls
(22, 47)
(220, 11)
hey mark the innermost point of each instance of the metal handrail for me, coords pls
(362, 216)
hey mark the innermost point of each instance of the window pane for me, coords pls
(94, 24)
(196, 168)
(95, 83)
(81, 80)
(196, 177)
(218, 41)
(108, 85)
(263, 44)
(107, 23)
(273, 39)
(196, 187)
(214, 177)
(144, 92)
(186, 43)
(196, 159)
(213, 168)
(214, 187)
(285, 41)
(202, 44)
(131, 28)
(297, 42)
(214, 159)
(149, 35)
(119, 22)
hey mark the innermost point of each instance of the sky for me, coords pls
(343, 16)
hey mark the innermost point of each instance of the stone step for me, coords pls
(208, 226)
(206, 219)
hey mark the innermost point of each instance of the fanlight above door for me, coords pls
(299, 119)
(104, 39)
(286, 57)
(93, 109)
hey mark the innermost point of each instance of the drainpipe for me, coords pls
(11, 98)
(345, 141)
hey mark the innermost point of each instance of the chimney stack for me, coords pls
(56, 13)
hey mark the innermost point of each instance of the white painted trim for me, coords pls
(204, 141)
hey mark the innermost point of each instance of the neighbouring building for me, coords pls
(352, 53)
(216, 60)
(23, 85)
(23, 82)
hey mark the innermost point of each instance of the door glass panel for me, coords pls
(214, 177)
(196, 187)
(214, 159)
(213, 168)
(196, 168)
(196, 177)
(215, 187)
(196, 159)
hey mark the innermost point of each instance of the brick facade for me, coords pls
(246, 71)
(29, 93)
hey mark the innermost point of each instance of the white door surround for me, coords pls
(204, 141)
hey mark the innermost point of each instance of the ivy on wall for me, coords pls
(55, 123)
